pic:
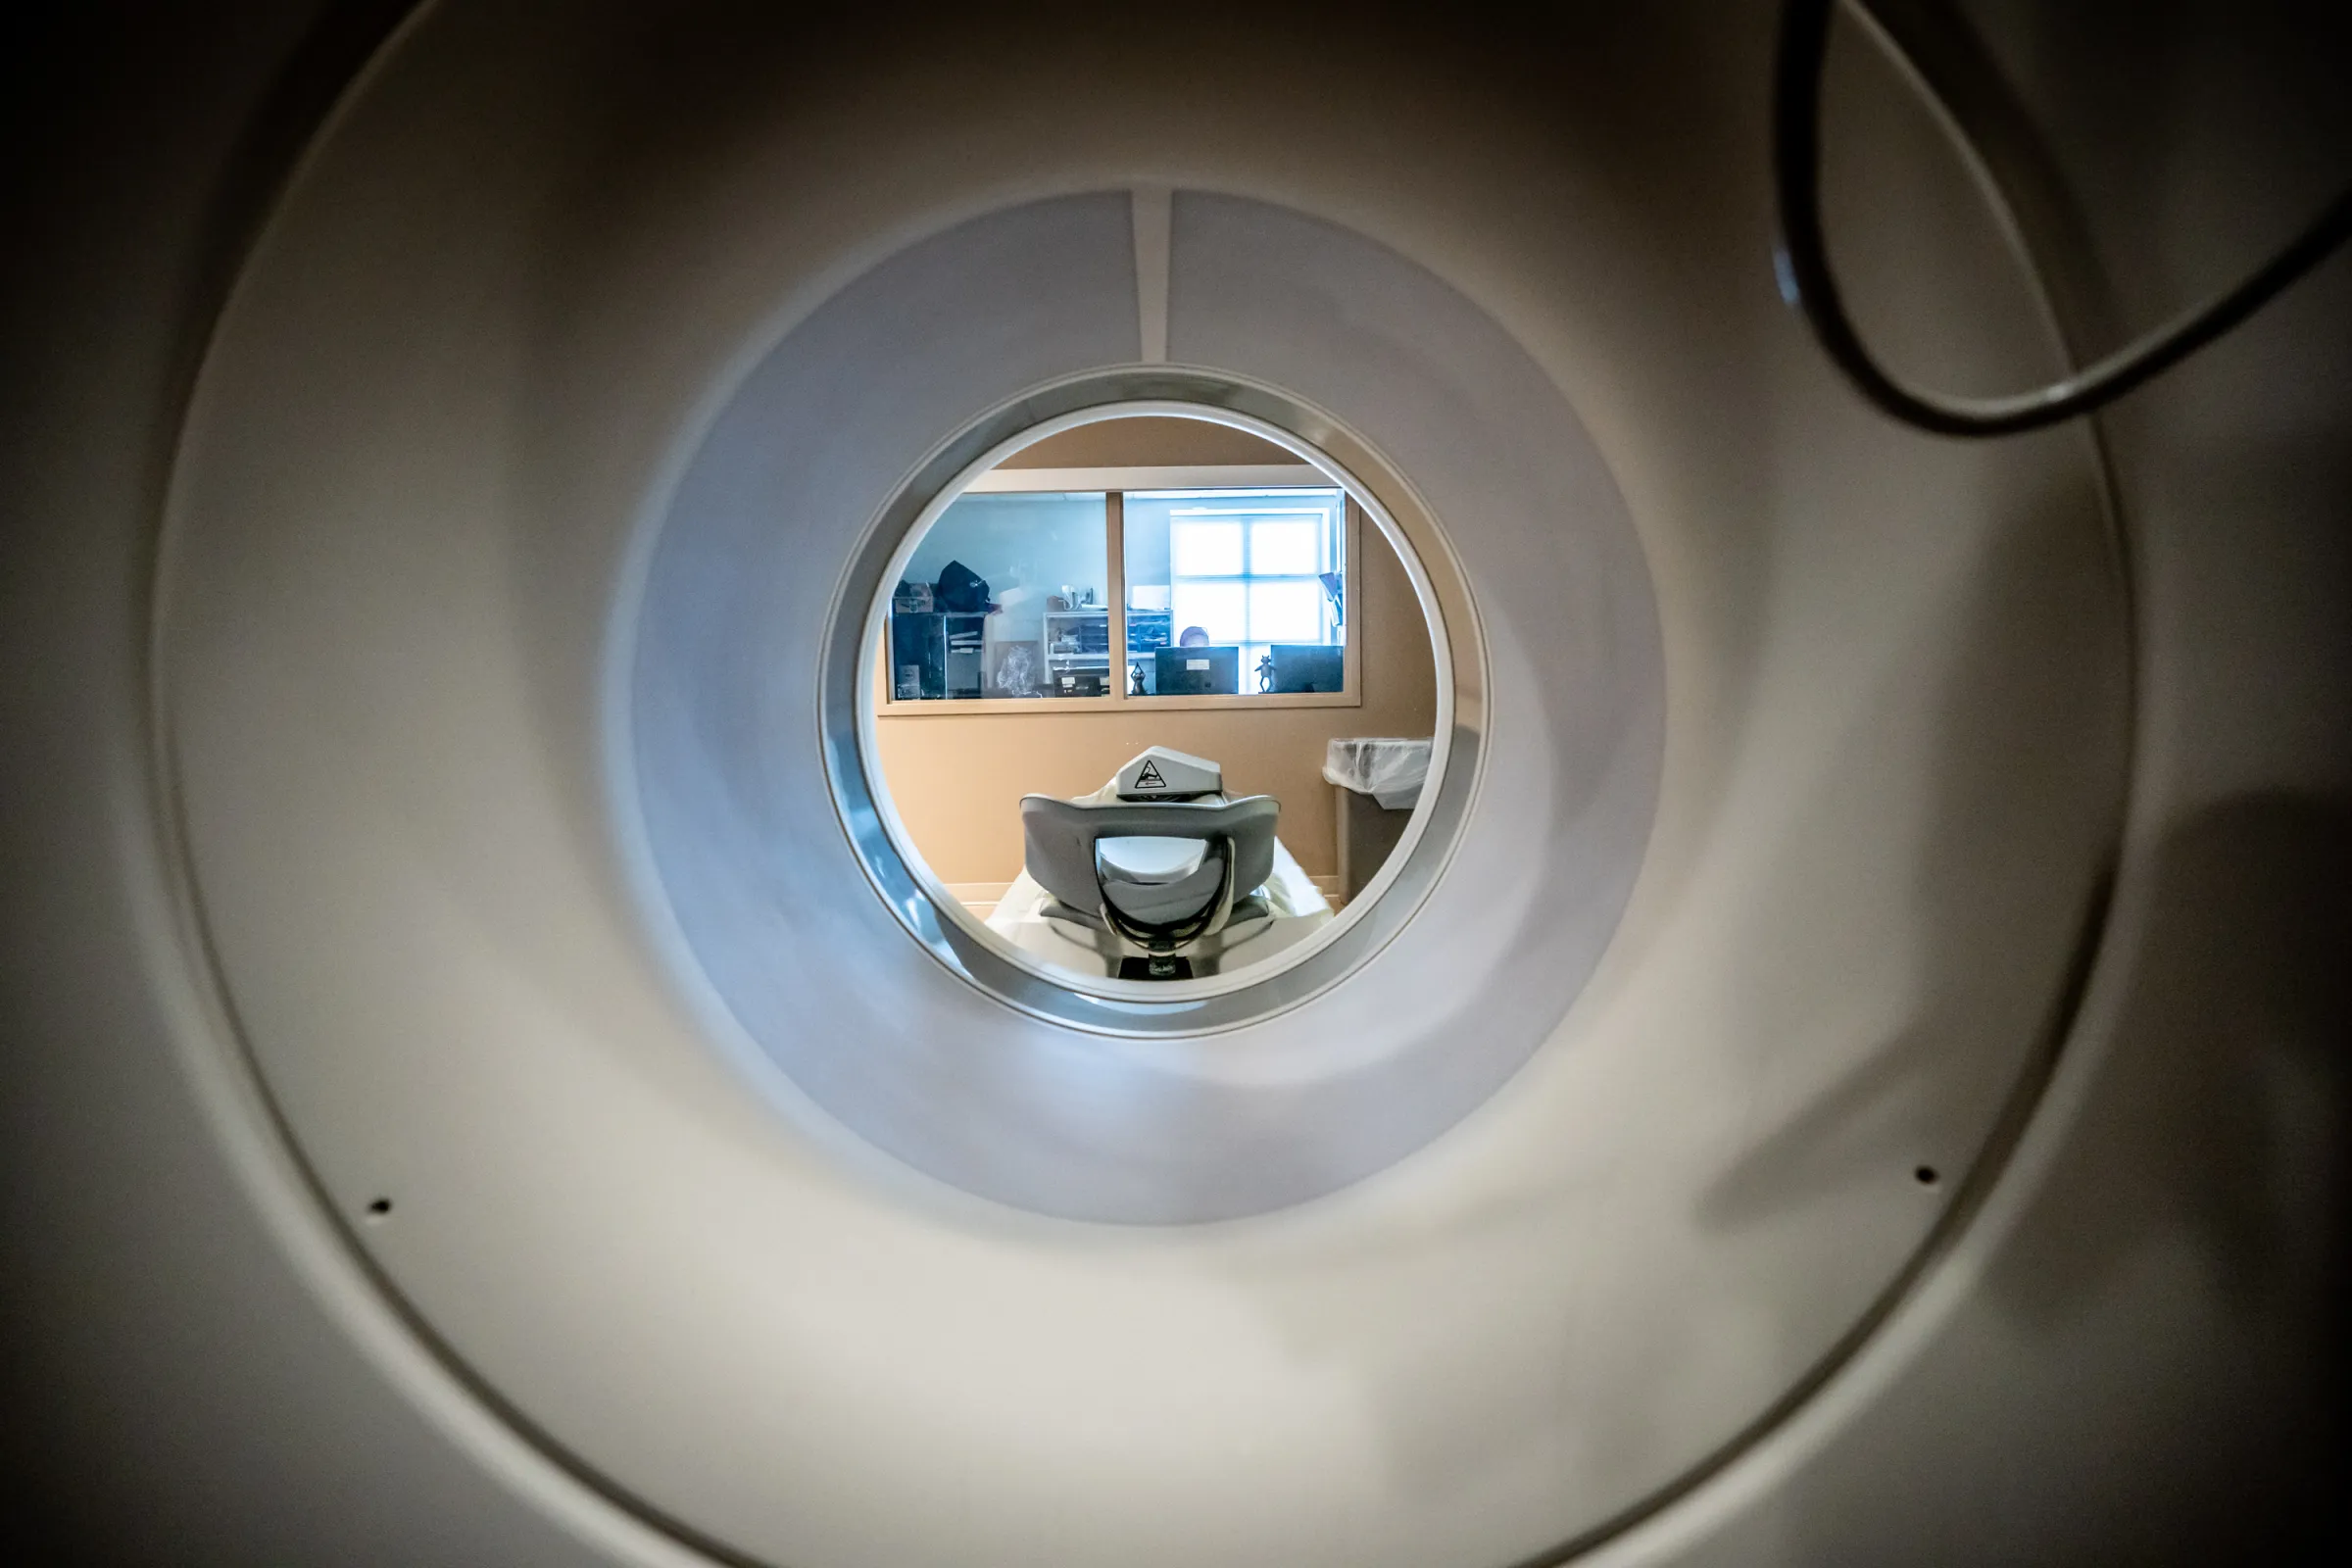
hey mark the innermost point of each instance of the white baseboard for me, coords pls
(981, 897)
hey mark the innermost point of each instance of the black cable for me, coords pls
(1813, 287)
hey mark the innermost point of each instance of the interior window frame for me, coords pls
(1114, 486)
(1247, 521)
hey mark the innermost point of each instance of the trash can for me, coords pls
(1377, 780)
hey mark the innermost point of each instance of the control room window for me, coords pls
(1006, 596)
(1239, 592)
(1189, 597)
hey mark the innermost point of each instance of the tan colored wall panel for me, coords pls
(1149, 443)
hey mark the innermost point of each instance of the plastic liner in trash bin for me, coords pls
(1391, 771)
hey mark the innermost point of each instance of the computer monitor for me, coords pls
(1196, 672)
(1309, 667)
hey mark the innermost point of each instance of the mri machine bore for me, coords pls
(1845, 1064)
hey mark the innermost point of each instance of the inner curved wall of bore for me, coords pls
(762, 840)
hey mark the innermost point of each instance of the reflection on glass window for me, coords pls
(1008, 596)
(1234, 590)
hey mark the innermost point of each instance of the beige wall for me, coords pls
(957, 780)
(1147, 443)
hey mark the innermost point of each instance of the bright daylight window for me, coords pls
(1251, 578)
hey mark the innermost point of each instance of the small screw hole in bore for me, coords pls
(1925, 1176)
(380, 1209)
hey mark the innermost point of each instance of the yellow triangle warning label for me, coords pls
(1150, 780)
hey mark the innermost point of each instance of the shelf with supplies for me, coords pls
(1078, 637)
(1077, 643)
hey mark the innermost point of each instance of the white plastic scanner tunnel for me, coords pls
(1757, 1101)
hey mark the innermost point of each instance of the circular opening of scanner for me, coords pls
(1112, 715)
(762, 818)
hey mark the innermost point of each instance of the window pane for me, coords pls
(1045, 564)
(1286, 547)
(1206, 547)
(1241, 565)
(1216, 608)
(1287, 611)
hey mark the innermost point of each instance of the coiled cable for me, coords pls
(1812, 286)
